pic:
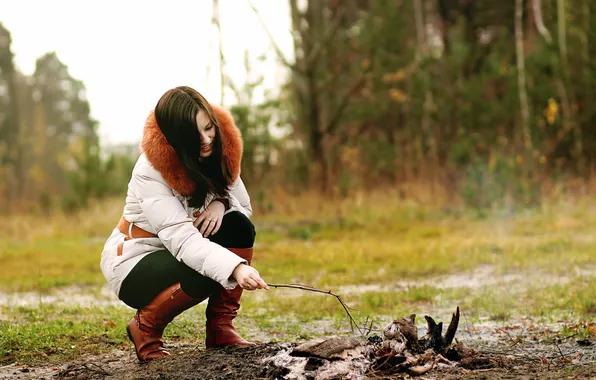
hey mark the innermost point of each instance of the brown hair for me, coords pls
(176, 115)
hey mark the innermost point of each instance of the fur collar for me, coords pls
(164, 159)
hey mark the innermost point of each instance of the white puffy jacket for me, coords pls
(155, 205)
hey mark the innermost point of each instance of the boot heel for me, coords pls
(146, 328)
(135, 346)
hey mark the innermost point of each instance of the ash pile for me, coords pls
(398, 349)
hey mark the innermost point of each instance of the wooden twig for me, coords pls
(468, 324)
(559, 348)
(513, 341)
(311, 289)
(88, 367)
(369, 326)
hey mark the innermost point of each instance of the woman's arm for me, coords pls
(175, 229)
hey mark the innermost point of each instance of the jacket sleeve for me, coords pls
(175, 229)
(239, 198)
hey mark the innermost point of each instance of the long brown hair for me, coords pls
(176, 115)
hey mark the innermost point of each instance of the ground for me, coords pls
(502, 361)
(524, 281)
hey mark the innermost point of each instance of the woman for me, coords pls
(185, 203)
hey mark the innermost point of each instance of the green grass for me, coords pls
(57, 333)
(49, 263)
(405, 247)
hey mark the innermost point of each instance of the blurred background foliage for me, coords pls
(482, 103)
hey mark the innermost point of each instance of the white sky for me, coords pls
(129, 52)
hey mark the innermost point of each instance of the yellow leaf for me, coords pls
(397, 95)
(394, 77)
(551, 111)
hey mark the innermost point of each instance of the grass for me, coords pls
(55, 333)
(412, 258)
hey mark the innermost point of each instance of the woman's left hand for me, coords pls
(211, 218)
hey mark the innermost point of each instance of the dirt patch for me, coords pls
(185, 363)
(498, 360)
(88, 367)
(482, 276)
(85, 296)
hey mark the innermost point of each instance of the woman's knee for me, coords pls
(236, 231)
(198, 286)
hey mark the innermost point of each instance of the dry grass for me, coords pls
(386, 256)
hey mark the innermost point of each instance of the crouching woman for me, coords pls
(185, 235)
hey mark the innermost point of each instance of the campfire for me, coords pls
(397, 349)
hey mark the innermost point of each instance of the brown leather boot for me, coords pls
(222, 309)
(146, 327)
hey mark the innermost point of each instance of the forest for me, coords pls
(477, 103)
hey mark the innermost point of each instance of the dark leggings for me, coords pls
(158, 270)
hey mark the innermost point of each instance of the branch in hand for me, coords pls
(310, 289)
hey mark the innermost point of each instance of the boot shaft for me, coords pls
(146, 327)
(165, 307)
(245, 253)
(224, 304)
(222, 309)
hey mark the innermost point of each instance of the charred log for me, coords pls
(398, 350)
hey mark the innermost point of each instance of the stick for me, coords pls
(468, 324)
(311, 289)
(513, 341)
(559, 348)
(90, 367)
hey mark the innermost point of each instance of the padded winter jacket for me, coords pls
(157, 202)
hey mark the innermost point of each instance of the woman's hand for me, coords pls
(248, 278)
(211, 218)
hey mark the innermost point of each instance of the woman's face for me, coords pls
(207, 131)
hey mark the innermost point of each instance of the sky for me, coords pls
(129, 52)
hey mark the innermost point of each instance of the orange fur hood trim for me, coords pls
(165, 160)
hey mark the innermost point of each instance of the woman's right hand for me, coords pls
(248, 278)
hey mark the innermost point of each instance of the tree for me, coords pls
(256, 122)
(71, 142)
(11, 156)
(321, 90)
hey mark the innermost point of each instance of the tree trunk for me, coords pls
(521, 79)
(216, 21)
(537, 9)
(569, 122)
(15, 142)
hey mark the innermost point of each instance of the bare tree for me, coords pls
(521, 77)
(319, 109)
(537, 9)
(215, 19)
(569, 122)
(421, 52)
